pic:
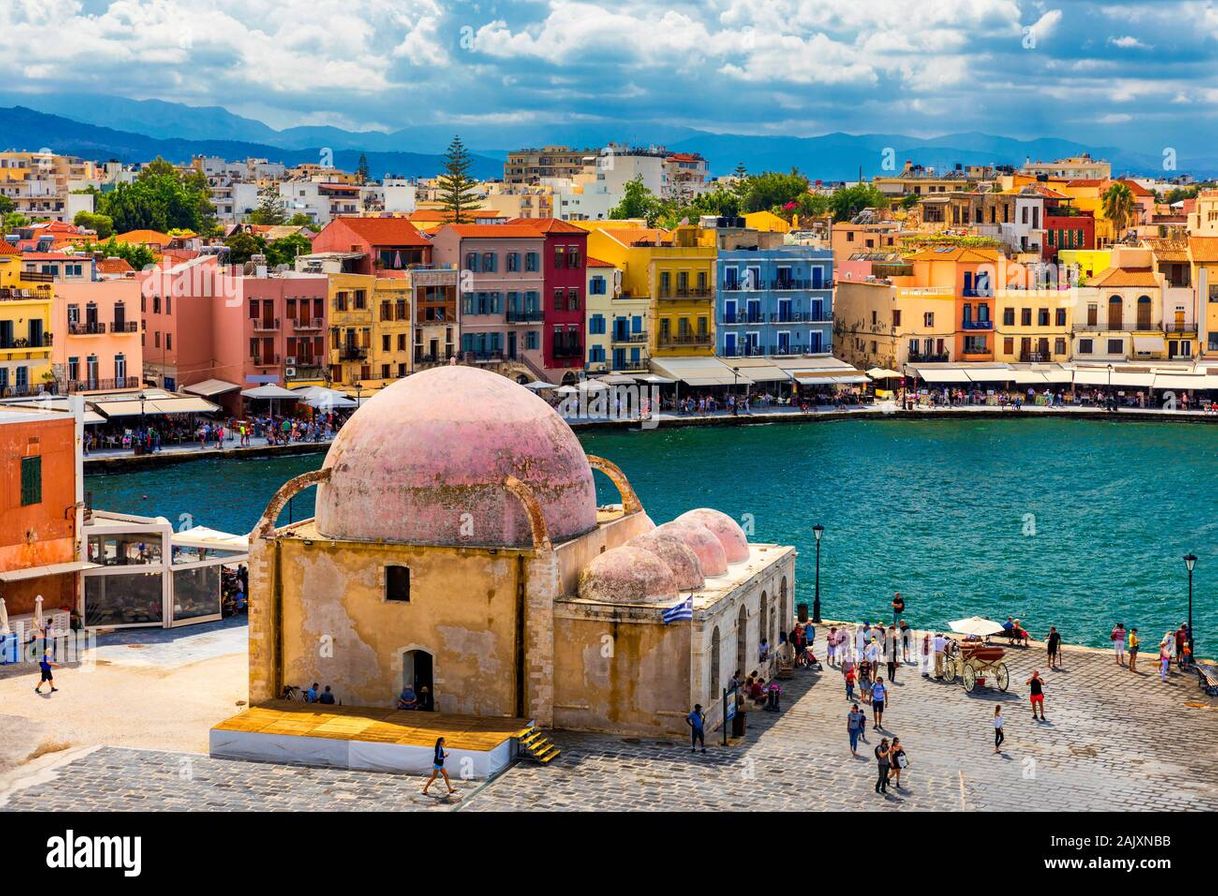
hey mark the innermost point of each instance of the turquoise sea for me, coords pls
(1077, 524)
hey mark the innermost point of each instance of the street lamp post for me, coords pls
(1111, 400)
(818, 530)
(1190, 560)
(143, 398)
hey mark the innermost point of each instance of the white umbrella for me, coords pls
(567, 390)
(538, 385)
(4, 629)
(270, 390)
(976, 625)
(592, 386)
(330, 402)
(882, 373)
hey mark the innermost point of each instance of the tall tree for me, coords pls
(457, 193)
(1118, 208)
(243, 246)
(848, 202)
(772, 189)
(640, 202)
(161, 198)
(361, 170)
(100, 224)
(269, 210)
(285, 249)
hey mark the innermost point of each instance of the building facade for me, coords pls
(26, 338)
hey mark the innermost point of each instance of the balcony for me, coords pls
(37, 277)
(801, 284)
(92, 328)
(1142, 326)
(628, 338)
(98, 385)
(526, 316)
(568, 352)
(16, 344)
(126, 326)
(641, 364)
(27, 391)
(265, 360)
(679, 340)
(1180, 329)
(802, 317)
(309, 370)
(315, 323)
(746, 318)
(977, 325)
(352, 353)
(266, 325)
(773, 351)
(38, 293)
(1036, 357)
(932, 358)
(684, 295)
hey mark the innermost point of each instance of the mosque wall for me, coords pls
(575, 555)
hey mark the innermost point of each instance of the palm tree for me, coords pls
(1118, 208)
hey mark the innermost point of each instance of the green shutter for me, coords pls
(31, 480)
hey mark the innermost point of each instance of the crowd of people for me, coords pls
(243, 432)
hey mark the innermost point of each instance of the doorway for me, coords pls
(417, 671)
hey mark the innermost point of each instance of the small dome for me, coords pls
(676, 554)
(627, 575)
(703, 542)
(727, 530)
(424, 462)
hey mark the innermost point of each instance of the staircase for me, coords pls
(535, 743)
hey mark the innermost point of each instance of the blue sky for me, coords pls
(1137, 74)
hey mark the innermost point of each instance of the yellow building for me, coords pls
(766, 221)
(1086, 263)
(26, 301)
(673, 271)
(371, 329)
(879, 324)
(1118, 314)
(1033, 325)
(1203, 263)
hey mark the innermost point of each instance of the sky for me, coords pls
(1137, 74)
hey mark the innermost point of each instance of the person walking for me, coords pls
(1036, 694)
(879, 694)
(891, 648)
(898, 607)
(1134, 643)
(940, 645)
(437, 767)
(883, 759)
(1181, 637)
(897, 760)
(45, 665)
(851, 676)
(1118, 642)
(697, 728)
(1054, 643)
(1164, 660)
(906, 637)
(831, 644)
(999, 734)
(856, 721)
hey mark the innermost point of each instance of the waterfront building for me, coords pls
(382, 243)
(436, 318)
(878, 323)
(1118, 314)
(26, 338)
(472, 559)
(971, 275)
(1066, 227)
(603, 283)
(350, 320)
(564, 256)
(675, 272)
(1183, 309)
(617, 322)
(100, 345)
(1033, 325)
(1203, 275)
(771, 298)
(41, 510)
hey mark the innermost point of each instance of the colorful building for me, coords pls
(1033, 325)
(26, 338)
(1203, 259)
(383, 243)
(100, 344)
(564, 257)
(971, 274)
(1118, 315)
(877, 323)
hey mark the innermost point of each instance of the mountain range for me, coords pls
(106, 127)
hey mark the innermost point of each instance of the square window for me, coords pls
(31, 480)
(397, 583)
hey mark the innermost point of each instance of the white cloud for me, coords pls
(1114, 118)
(1128, 42)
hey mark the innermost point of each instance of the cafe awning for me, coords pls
(700, 371)
(1091, 376)
(270, 391)
(1184, 381)
(618, 379)
(211, 388)
(1029, 378)
(882, 373)
(759, 370)
(50, 569)
(154, 406)
(214, 539)
(942, 374)
(1133, 379)
(991, 374)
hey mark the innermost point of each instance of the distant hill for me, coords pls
(85, 124)
(25, 129)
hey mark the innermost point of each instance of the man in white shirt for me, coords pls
(862, 636)
(872, 654)
(940, 645)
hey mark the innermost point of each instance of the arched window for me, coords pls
(763, 628)
(716, 676)
(1115, 309)
(1144, 315)
(742, 641)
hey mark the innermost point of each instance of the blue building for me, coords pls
(775, 300)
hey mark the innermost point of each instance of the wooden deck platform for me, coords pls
(367, 737)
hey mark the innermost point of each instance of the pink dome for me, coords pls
(424, 462)
(676, 554)
(702, 542)
(727, 530)
(627, 574)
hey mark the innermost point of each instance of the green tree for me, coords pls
(285, 249)
(136, 255)
(909, 200)
(849, 201)
(361, 170)
(101, 224)
(269, 210)
(772, 189)
(1175, 194)
(160, 198)
(7, 207)
(457, 194)
(242, 246)
(300, 219)
(640, 202)
(1118, 205)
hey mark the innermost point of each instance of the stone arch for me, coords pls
(716, 673)
(532, 509)
(285, 493)
(630, 500)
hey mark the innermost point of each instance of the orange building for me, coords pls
(971, 274)
(41, 509)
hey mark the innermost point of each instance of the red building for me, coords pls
(384, 243)
(1066, 227)
(565, 269)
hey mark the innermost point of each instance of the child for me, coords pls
(851, 677)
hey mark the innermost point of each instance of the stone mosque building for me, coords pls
(457, 544)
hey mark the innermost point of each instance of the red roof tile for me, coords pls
(385, 231)
(7, 249)
(597, 263)
(495, 231)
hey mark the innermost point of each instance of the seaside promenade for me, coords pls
(1113, 740)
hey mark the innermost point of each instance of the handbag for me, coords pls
(902, 762)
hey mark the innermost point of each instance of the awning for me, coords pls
(203, 537)
(268, 391)
(943, 375)
(1030, 378)
(51, 569)
(759, 370)
(882, 373)
(1056, 374)
(617, 379)
(1136, 380)
(1184, 381)
(700, 371)
(210, 388)
(828, 378)
(991, 374)
(154, 406)
(1148, 343)
(1091, 376)
(653, 379)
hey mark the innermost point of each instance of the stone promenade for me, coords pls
(1114, 740)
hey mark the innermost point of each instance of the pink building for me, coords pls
(100, 348)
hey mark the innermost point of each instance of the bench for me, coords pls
(1207, 679)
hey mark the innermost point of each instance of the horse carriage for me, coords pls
(973, 660)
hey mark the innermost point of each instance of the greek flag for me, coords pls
(683, 610)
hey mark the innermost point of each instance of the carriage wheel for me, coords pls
(949, 669)
(1002, 677)
(969, 678)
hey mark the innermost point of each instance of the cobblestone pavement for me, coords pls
(1114, 740)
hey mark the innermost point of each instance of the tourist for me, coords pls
(890, 653)
(1118, 642)
(872, 654)
(862, 636)
(898, 607)
(311, 693)
(883, 759)
(999, 734)
(926, 654)
(832, 644)
(408, 699)
(240, 604)
(865, 680)
(437, 766)
(46, 665)
(856, 721)
(757, 689)
(1181, 641)
(763, 650)
(1134, 643)
(850, 677)
(878, 695)
(697, 728)
(906, 637)
(326, 697)
(1036, 693)
(1055, 648)
(940, 645)
(897, 761)
(425, 701)
(1164, 659)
